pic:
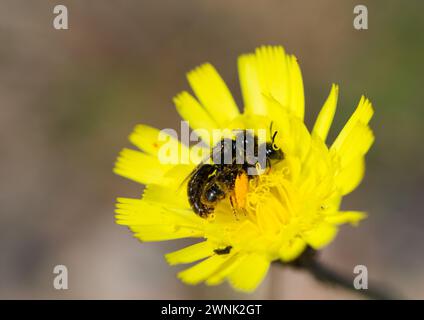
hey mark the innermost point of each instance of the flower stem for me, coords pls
(308, 261)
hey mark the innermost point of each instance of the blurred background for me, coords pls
(69, 99)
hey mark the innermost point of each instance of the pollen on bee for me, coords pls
(241, 188)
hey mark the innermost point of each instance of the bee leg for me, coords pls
(255, 179)
(233, 207)
(268, 165)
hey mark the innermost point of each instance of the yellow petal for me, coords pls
(152, 222)
(293, 137)
(190, 254)
(198, 118)
(326, 115)
(355, 145)
(173, 198)
(179, 175)
(270, 215)
(300, 139)
(228, 267)
(201, 271)
(250, 85)
(164, 232)
(150, 140)
(141, 167)
(321, 235)
(352, 217)
(297, 101)
(361, 117)
(293, 250)
(271, 73)
(213, 94)
(349, 177)
(138, 212)
(249, 273)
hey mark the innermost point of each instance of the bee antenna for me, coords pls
(270, 127)
(274, 135)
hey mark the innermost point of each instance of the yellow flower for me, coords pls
(292, 206)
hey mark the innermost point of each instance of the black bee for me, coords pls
(211, 183)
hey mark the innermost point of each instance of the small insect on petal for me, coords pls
(225, 250)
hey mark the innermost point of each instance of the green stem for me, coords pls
(308, 261)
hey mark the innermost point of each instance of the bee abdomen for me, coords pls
(195, 190)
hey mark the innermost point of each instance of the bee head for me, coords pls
(273, 152)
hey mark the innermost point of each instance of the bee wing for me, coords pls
(215, 154)
(204, 161)
(189, 176)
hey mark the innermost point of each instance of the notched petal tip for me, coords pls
(326, 115)
(190, 254)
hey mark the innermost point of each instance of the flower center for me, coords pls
(270, 200)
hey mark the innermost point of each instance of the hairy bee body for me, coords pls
(195, 190)
(211, 183)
